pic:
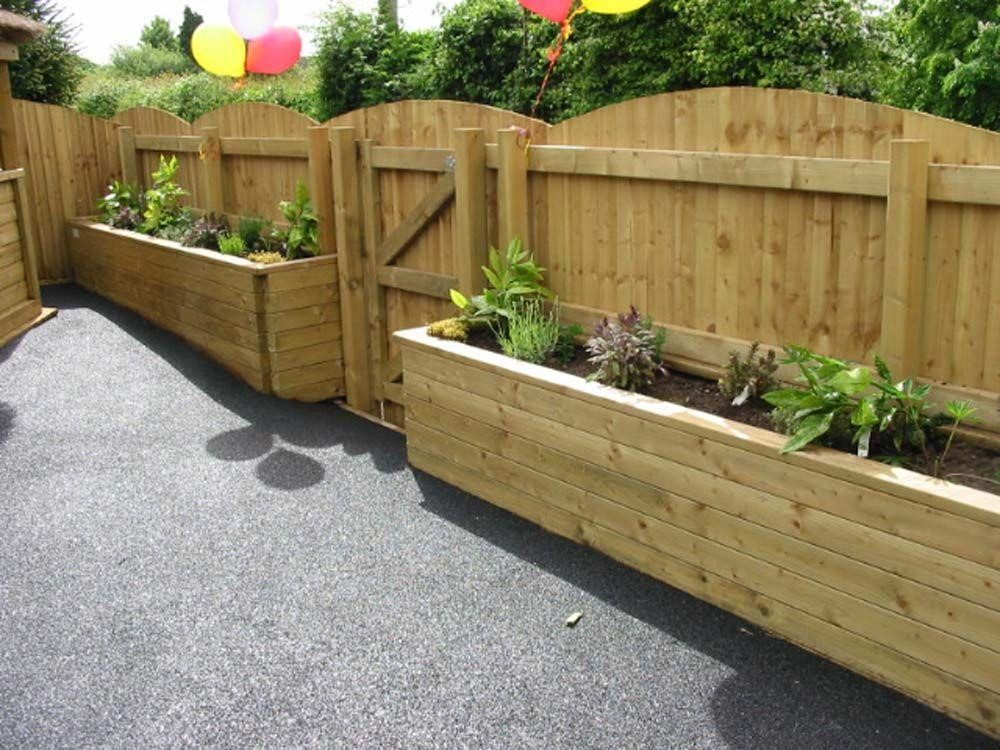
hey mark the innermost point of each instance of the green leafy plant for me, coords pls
(302, 236)
(514, 279)
(956, 412)
(531, 334)
(828, 402)
(177, 230)
(627, 351)
(256, 232)
(206, 232)
(901, 410)
(121, 206)
(163, 199)
(748, 377)
(841, 398)
(232, 244)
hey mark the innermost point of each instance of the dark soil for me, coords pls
(968, 464)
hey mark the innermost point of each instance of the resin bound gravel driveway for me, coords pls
(186, 563)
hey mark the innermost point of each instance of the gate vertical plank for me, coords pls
(371, 200)
(321, 187)
(350, 267)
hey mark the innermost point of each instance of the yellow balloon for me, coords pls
(613, 6)
(219, 50)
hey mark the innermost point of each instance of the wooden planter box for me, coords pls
(890, 573)
(277, 327)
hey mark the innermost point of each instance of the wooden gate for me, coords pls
(373, 252)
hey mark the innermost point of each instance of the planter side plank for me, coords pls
(686, 498)
(900, 590)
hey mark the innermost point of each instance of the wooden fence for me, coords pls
(729, 214)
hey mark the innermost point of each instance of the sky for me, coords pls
(105, 25)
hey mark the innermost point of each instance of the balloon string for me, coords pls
(555, 52)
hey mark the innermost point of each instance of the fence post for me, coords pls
(905, 256)
(512, 188)
(321, 187)
(471, 242)
(350, 267)
(126, 152)
(211, 169)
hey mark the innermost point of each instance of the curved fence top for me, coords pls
(774, 121)
(256, 119)
(152, 120)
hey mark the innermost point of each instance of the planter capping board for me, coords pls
(277, 327)
(890, 573)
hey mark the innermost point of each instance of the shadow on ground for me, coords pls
(274, 427)
(778, 696)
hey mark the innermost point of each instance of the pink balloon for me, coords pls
(274, 52)
(555, 10)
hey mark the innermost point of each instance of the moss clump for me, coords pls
(266, 257)
(453, 329)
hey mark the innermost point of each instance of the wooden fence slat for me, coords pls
(350, 268)
(127, 155)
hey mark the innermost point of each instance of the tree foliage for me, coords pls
(817, 45)
(950, 64)
(158, 34)
(189, 23)
(363, 60)
(49, 69)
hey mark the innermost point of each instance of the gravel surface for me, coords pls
(186, 563)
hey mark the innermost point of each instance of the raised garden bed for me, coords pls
(277, 327)
(890, 573)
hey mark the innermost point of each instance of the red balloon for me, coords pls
(275, 51)
(556, 11)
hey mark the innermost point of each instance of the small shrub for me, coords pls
(828, 404)
(145, 61)
(232, 244)
(627, 351)
(748, 377)
(163, 200)
(126, 218)
(206, 232)
(452, 329)
(530, 333)
(302, 236)
(177, 229)
(514, 279)
(267, 257)
(256, 233)
(899, 410)
(121, 205)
